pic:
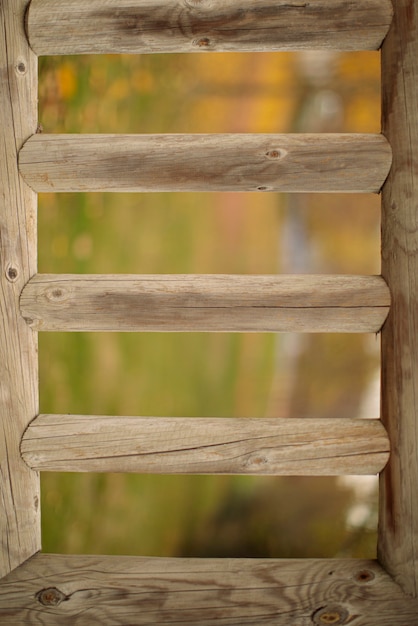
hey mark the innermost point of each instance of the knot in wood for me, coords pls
(330, 615)
(51, 596)
(203, 42)
(364, 576)
(276, 153)
(11, 274)
(21, 68)
(56, 294)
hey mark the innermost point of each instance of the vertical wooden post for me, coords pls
(19, 486)
(398, 521)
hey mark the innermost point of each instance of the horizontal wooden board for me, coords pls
(216, 162)
(274, 446)
(55, 590)
(141, 26)
(217, 302)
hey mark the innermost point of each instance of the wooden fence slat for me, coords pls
(273, 446)
(398, 516)
(217, 162)
(19, 487)
(217, 303)
(142, 26)
(50, 590)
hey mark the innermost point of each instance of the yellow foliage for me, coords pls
(66, 80)
(119, 89)
(360, 116)
(143, 80)
(353, 67)
(59, 246)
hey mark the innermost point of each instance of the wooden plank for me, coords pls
(141, 26)
(221, 303)
(52, 590)
(217, 162)
(290, 447)
(398, 538)
(19, 486)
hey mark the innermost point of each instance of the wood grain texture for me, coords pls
(213, 302)
(217, 162)
(398, 538)
(291, 447)
(141, 26)
(19, 487)
(52, 590)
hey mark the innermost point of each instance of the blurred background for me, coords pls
(217, 375)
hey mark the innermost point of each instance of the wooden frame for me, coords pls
(53, 589)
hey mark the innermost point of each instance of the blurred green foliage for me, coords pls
(195, 374)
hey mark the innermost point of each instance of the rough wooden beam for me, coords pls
(228, 162)
(19, 486)
(220, 303)
(398, 536)
(138, 26)
(54, 590)
(288, 447)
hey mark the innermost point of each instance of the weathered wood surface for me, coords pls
(233, 303)
(141, 26)
(19, 487)
(398, 537)
(275, 446)
(217, 162)
(54, 590)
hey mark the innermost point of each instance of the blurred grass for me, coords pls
(188, 374)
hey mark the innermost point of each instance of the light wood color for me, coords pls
(19, 486)
(398, 522)
(228, 162)
(50, 590)
(141, 26)
(232, 303)
(275, 446)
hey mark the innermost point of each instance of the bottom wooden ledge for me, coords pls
(107, 590)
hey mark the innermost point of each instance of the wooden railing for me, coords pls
(57, 589)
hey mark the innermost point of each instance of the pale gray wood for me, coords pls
(141, 26)
(218, 302)
(217, 162)
(19, 486)
(275, 446)
(398, 537)
(64, 590)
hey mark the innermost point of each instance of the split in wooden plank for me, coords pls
(143, 26)
(58, 589)
(273, 446)
(19, 487)
(213, 303)
(398, 517)
(216, 162)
